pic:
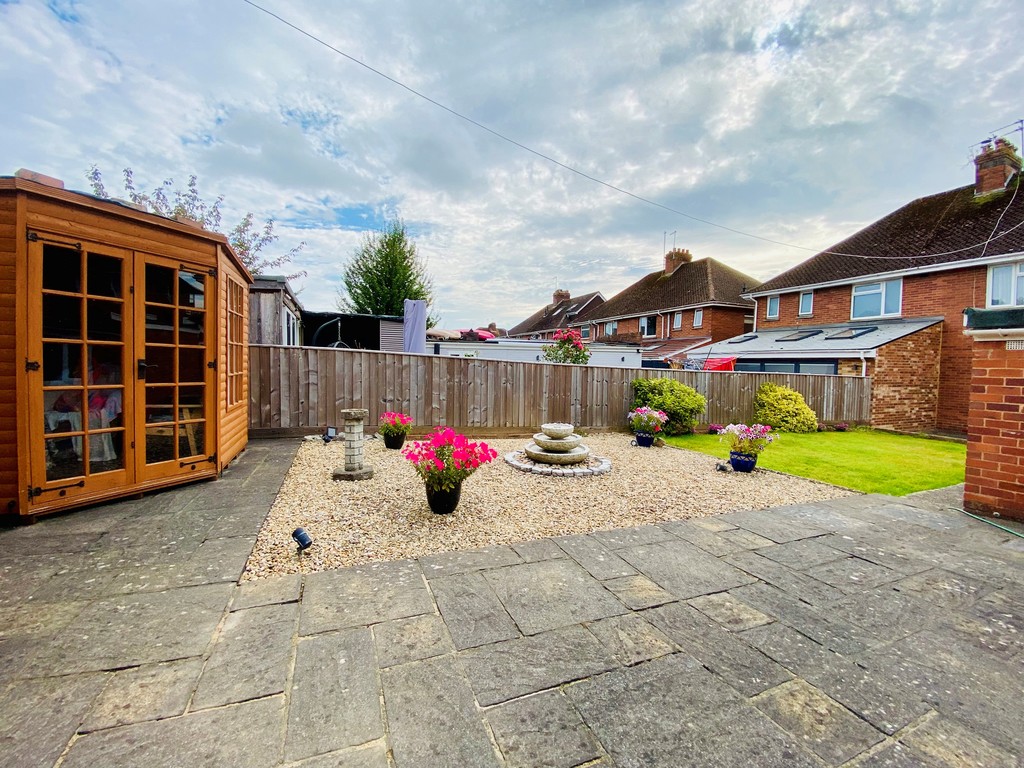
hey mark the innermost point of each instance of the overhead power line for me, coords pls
(1019, 126)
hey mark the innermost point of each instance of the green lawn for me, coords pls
(862, 459)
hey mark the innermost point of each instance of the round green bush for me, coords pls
(783, 408)
(682, 404)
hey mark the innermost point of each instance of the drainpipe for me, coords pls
(863, 364)
(755, 316)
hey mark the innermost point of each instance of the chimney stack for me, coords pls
(559, 295)
(994, 166)
(676, 257)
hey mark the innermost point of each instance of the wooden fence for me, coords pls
(299, 390)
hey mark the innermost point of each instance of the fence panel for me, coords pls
(297, 390)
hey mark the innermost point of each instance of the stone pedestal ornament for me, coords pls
(353, 420)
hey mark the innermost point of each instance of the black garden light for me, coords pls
(302, 538)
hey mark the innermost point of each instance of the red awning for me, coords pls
(720, 364)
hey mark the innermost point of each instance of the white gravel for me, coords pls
(387, 518)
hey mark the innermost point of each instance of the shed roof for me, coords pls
(829, 341)
(693, 283)
(949, 228)
(125, 210)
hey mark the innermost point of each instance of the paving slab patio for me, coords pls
(863, 631)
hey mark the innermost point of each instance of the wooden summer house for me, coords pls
(123, 349)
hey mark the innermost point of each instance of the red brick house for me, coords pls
(685, 305)
(555, 316)
(929, 259)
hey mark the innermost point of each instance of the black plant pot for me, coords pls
(443, 502)
(394, 442)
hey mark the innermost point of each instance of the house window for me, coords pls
(610, 328)
(290, 330)
(877, 299)
(772, 310)
(677, 321)
(585, 332)
(1006, 285)
(806, 304)
(236, 343)
(649, 326)
(698, 318)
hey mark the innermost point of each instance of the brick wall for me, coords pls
(905, 382)
(994, 482)
(944, 294)
(719, 323)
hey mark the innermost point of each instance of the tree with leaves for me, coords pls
(247, 238)
(383, 272)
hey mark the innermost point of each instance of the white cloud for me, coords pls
(799, 121)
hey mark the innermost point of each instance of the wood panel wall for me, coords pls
(302, 389)
(233, 421)
(8, 350)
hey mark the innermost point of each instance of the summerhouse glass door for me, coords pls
(176, 375)
(77, 357)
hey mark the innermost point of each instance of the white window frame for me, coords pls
(611, 327)
(882, 288)
(289, 328)
(768, 314)
(698, 318)
(677, 321)
(1016, 284)
(801, 312)
(645, 326)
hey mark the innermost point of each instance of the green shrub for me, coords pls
(784, 409)
(682, 404)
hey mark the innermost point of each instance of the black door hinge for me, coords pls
(31, 365)
(37, 491)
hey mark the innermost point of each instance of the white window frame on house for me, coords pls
(585, 332)
(611, 327)
(677, 321)
(698, 318)
(768, 313)
(649, 326)
(884, 290)
(1014, 291)
(807, 311)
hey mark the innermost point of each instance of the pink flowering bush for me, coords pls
(394, 424)
(568, 348)
(445, 458)
(750, 440)
(648, 420)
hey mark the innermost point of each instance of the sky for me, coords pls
(797, 122)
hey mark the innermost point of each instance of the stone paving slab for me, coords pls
(245, 734)
(147, 692)
(404, 640)
(683, 569)
(433, 719)
(793, 582)
(638, 592)
(335, 699)
(472, 611)
(768, 524)
(593, 556)
(515, 668)
(542, 731)
(550, 594)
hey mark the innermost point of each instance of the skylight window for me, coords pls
(853, 333)
(741, 339)
(800, 335)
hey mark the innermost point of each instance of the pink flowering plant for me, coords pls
(749, 440)
(648, 420)
(394, 424)
(568, 348)
(445, 458)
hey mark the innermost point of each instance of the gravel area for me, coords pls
(387, 518)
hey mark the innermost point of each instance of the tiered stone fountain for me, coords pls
(557, 450)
